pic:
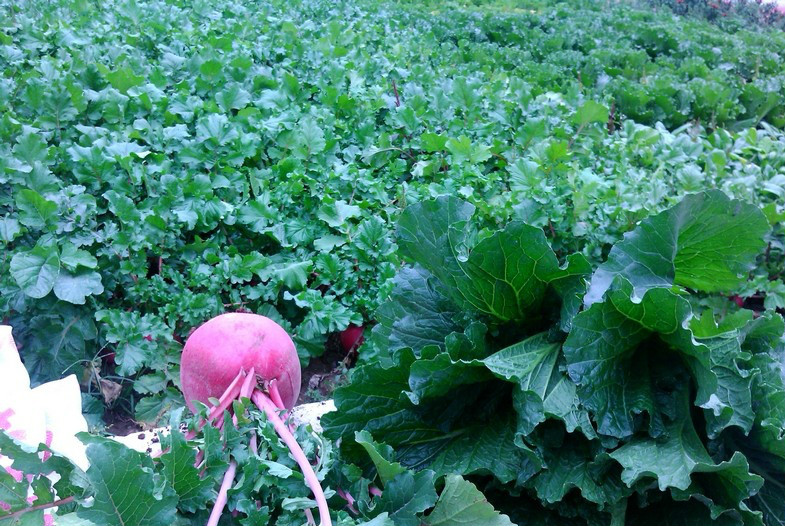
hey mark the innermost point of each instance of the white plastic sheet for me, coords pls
(50, 413)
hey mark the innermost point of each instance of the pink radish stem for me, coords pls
(345, 495)
(265, 404)
(275, 396)
(223, 402)
(61, 502)
(249, 384)
(220, 501)
(245, 392)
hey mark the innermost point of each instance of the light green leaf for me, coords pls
(9, 229)
(293, 274)
(433, 142)
(35, 211)
(310, 139)
(36, 271)
(337, 213)
(590, 112)
(462, 504)
(707, 242)
(75, 287)
(124, 489)
(72, 257)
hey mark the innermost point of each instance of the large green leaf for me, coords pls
(76, 287)
(417, 313)
(123, 488)
(178, 468)
(36, 271)
(613, 346)
(707, 242)
(680, 462)
(504, 275)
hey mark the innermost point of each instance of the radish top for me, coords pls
(218, 349)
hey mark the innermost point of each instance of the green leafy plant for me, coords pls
(153, 176)
(579, 397)
(125, 487)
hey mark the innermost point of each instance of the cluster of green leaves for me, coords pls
(573, 397)
(123, 487)
(656, 67)
(161, 162)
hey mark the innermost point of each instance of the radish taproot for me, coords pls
(352, 337)
(241, 355)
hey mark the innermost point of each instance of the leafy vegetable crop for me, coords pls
(624, 401)
(123, 487)
(162, 162)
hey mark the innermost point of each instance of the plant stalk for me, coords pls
(265, 404)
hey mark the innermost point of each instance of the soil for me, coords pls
(120, 423)
(326, 372)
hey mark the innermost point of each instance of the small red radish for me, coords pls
(242, 355)
(229, 343)
(352, 337)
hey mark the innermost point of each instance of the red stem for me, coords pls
(220, 501)
(248, 384)
(397, 99)
(275, 396)
(265, 404)
(345, 495)
(225, 401)
(39, 507)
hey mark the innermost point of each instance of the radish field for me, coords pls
(558, 225)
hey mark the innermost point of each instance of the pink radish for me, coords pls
(242, 355)
(226, 344)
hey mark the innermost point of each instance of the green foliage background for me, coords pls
(162, 161)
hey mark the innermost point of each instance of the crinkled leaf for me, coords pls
(124, 489)
(407, 495)
(707, 242)
(462, 504)
(504, 275)
(417, 313)
(613, 374)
